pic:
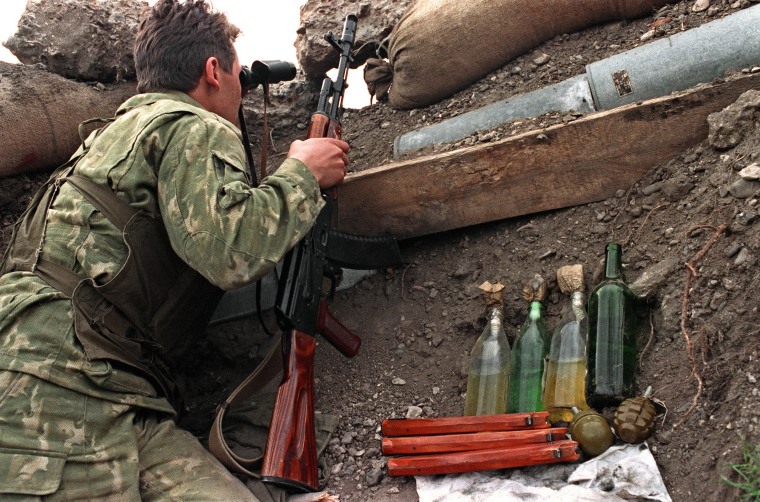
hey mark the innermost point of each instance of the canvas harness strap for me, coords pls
(268, 369)
(148, 312)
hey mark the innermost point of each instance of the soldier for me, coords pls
(121, 258)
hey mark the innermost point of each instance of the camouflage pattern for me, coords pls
(169, 157)
(67, 446)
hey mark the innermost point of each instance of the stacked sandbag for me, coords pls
(441, 46)
(40, 113)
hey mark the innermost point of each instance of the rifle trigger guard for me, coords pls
(333, 275)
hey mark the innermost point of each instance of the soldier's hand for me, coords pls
(326, 158)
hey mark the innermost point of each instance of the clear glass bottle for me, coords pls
(526, 374)
(488, 375)
(565, 382)
(612, 338)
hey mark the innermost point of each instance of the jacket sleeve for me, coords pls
(230, 232)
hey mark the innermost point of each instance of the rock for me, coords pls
(413, 412)
(742, 189)
(654, 277)
(751, 172)
(652, 188)
(347, 438)
(746, 217)
(373, 477)
(743, 257)
(676, 188)
(700, 5)
(376, 20)
(729, 126)
(732, 250)
(465, 269)
(718, 179)
(79, 39)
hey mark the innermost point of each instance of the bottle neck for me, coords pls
(613, 266)
(534, 314)
(494, 319)
(578, 304)
(577, 298)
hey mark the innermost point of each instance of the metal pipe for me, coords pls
(678, 62)
(569, 95)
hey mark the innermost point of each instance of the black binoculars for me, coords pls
(266, 72)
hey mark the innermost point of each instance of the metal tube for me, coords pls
(569, 95)
(678, 62)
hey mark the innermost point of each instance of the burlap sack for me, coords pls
(441, 46)
(40, 113)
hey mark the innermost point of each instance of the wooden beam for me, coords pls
(564, 165)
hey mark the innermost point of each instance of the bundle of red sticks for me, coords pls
(423, 446)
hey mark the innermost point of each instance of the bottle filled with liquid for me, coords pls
(612, 338)
(565, 382)
(488, 375)
(526, 373)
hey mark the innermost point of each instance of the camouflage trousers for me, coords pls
(60, 445)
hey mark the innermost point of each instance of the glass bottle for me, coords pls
(526, 372)
(612, 337)
(565, 383)
(488, 376)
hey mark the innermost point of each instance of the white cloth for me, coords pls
(621, 473)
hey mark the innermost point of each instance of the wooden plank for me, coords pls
(570, 164)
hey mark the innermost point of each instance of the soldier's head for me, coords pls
(174, 42)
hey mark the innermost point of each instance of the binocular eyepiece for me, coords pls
(266, 72)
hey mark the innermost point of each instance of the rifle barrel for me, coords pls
(339, 86)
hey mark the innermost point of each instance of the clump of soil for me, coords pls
(418, 323)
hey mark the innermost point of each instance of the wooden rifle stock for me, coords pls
(484, 460)
(290, 457)
(460, 425)
(446, 443)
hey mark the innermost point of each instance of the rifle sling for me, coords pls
(268, 369)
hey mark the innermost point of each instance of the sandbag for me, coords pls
(440, 47)
(40, 114)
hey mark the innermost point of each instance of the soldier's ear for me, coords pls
(211, 72)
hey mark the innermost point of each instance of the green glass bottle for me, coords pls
(565, 383)
(612, 337)
(488, 375)
(526, 373)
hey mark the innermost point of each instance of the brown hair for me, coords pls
(175, 39)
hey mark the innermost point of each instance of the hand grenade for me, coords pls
(634, 418)
(591, 431)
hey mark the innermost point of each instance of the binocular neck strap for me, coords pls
(264, 141)
(247, 147)
(264, 133)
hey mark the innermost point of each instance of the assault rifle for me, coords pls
(290, 457)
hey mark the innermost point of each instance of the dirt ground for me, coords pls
(419, 322)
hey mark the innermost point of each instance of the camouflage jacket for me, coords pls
(169, 157)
